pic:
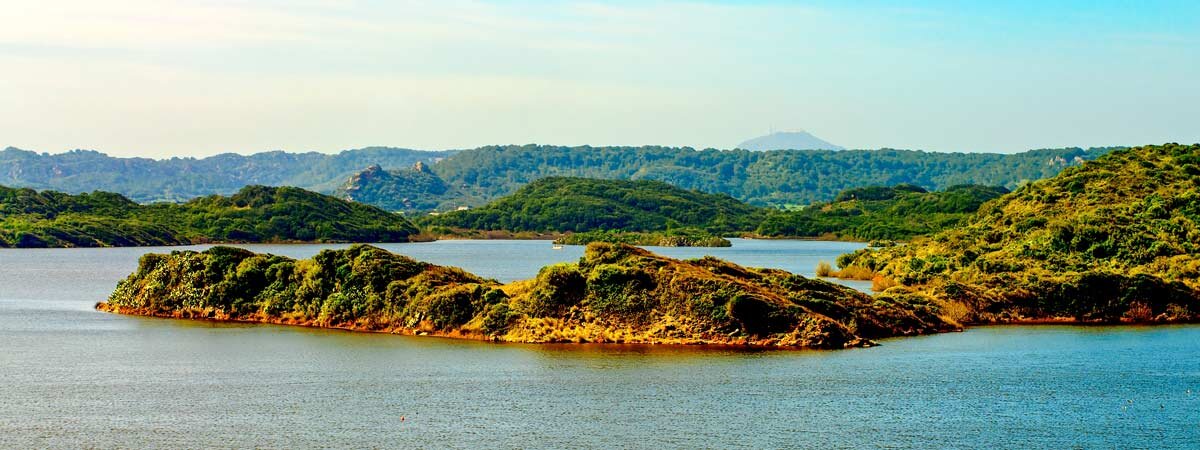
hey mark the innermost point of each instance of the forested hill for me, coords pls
(772, 178)
(1117, 238)
(29, 218)
(410, 190)
(178, 179)
(559, 204)
(881, 213)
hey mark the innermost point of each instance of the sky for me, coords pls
(193, 78)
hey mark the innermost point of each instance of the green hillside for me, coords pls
(784, 178)
(29, 218)
(1117, 238)
(410, 190)
(881, 213)
(562, 204)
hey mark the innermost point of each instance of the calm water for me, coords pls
(70, 376)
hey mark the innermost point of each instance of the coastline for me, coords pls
(742, 343)
(211, 316)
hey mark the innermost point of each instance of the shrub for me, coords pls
(824, 269)
(497, 319)
(556, 288)
(880, 283)
(618, 290)
(855, 273)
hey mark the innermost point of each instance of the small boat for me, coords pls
(557, 247)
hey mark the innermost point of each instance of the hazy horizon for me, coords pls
(197, 78)
(339, 150)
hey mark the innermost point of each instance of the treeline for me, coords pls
(882, 213)
(179, 179)
(784, 178)
(30, 218)
(567, 204)
(616, 210)
(678, 237)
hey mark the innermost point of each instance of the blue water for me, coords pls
(73, 377)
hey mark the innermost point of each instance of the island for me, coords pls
(613, 294)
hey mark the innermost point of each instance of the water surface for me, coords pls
(71, 376)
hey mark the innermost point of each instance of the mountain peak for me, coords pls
(788, 140)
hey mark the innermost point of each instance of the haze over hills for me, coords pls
(788, 140)
(180, 179)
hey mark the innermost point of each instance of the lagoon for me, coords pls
(72, 377)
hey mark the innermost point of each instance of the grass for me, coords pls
(825, 270)
(880, 283)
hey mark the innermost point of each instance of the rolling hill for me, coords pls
(29, 218)
(1115, 239)
(561, 204)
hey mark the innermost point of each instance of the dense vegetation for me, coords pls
(1117, 238)
(412, 191)
(773, 178)
(678, 237)
(614, 294)
(881, 213)
(29, 218)
(579, 204)
(179, 179)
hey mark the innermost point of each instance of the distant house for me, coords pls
(463, 208)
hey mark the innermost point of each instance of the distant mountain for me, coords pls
(788, 140)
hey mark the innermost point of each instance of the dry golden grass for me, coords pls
(855, 273)
(880, 283)
(955, 312)
(824, 269)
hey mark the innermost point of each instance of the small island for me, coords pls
(679, 237)
(614, 294)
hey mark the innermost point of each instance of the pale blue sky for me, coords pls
(153, 78)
